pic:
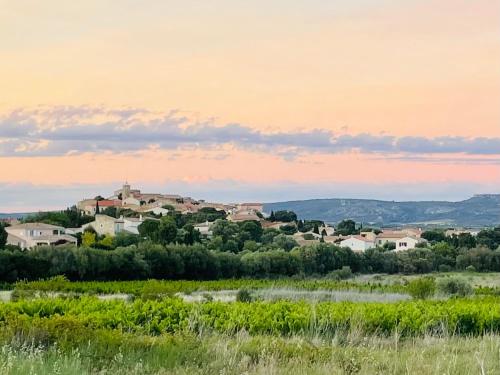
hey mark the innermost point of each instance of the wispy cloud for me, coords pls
(56, 131)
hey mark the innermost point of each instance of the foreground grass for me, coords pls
(464, 316)
(112, 353)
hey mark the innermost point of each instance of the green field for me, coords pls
(57, 326)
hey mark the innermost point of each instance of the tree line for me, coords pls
(196, 262)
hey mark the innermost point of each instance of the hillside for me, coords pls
(480, 210)
(16, 215)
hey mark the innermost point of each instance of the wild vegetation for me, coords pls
(248, 299)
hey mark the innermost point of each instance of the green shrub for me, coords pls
(342, 274)
(445, 268)
(454, 286)
(243, 295)
(422, 288)
(470, 268)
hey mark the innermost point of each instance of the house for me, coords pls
(89, 206)
(131, 224)
(107, 225)
(253, 207)
(457, 232)
(131, 201)
(104, 224)
(204, 228)
(407, 243)
(158, 211)
(243, 216)
(330, 231)
(29, 235)
(332, 239)
(369, 235)
(389, 236)
(357, 243)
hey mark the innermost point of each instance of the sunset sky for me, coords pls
(248, 100)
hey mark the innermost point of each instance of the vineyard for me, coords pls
(169, 287)
(455, 316)
(58, 326)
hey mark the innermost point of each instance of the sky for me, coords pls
(248, 100)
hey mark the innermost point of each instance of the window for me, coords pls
(403, 244)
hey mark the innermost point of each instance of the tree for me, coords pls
(167, 231)
(3, 235)
(149, 229)
(268, 235)
(284, 242)
(490, 238)
(434, 235)
(288, 229)
(272, 217)
(107, 242)
(253, 228)
(188, 235)
(316, 228)
(110, 211)
(346, 228)
(225, 229)
(88, 239)
(97, 207)
(285, 216)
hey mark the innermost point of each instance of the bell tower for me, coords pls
(125, 190)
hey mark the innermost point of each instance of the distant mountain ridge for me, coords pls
(15, 215)
(478, 211)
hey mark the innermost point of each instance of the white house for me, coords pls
(131, 224)
(104, 224)
(159, 211)
(131, 201)
(407, 243)
(30, 235)
(357, 243)
(204, 228)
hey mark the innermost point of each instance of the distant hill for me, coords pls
(16, 215)
(478, 211)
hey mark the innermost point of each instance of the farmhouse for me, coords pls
(407, 243)
(29, 235)
(357, 243)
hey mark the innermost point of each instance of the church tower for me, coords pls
(125, 190)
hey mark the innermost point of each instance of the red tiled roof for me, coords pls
(108, 203)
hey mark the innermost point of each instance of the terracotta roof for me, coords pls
(361, 238)
(108, 203)
(35, 226)
(392, 235)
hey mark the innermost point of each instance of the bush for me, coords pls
(445, 268)
(422, 288)
(470, 268)
(454, 286)
(243, 295)
(342, 274)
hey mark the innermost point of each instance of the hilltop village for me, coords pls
(131, 212)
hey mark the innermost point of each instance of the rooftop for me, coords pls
(36, 226)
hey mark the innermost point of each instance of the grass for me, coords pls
(78, 334)
(244, 354)
(476, 279)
